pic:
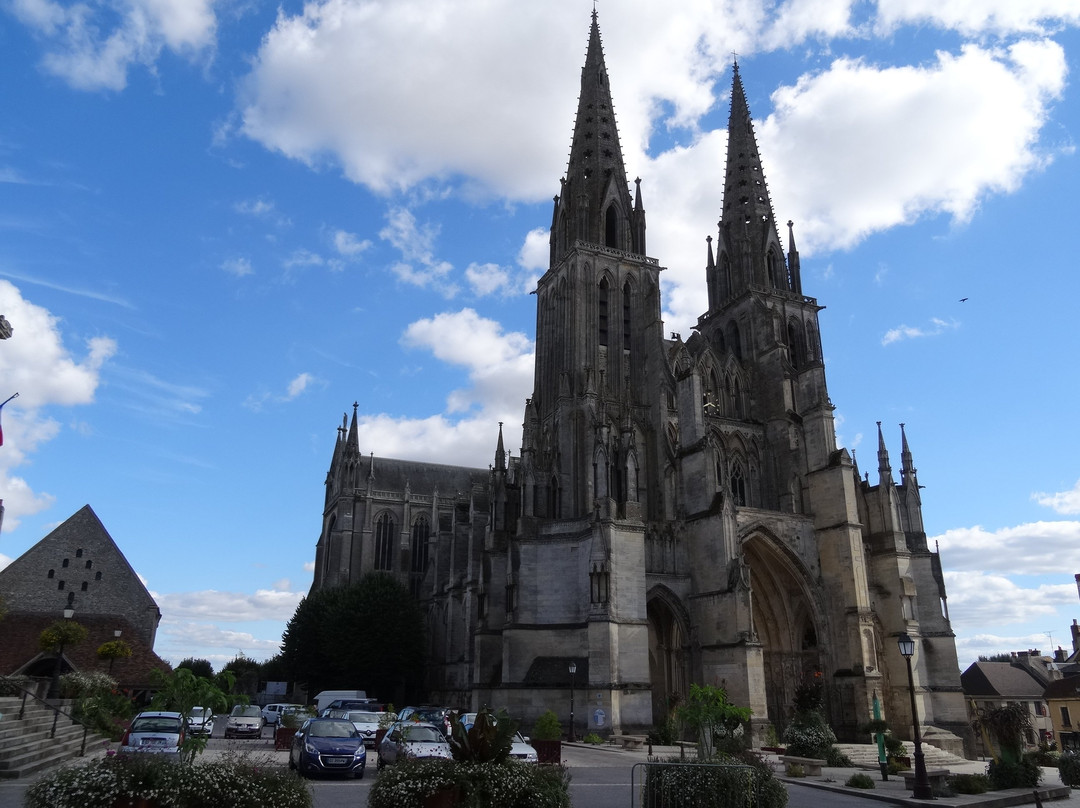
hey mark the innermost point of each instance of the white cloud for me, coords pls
(299, 384)
(972, 17)
(500, 368)
(936, 328)
(980, 599)
(296, 387)
(36, 364)
(1063, 502)
(487, 279)
(416, 243)
(536, 250)
(237, 266)
(1035, 548)
(349, 244)
(228, 607)
(92, 47)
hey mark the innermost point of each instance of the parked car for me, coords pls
(271, 713)
(326, 746)
(439, 716)
(521, 749)
(365, 721)
(159, 733)
(326, 697)
(244, 722)
(200, 721)
(409, 740)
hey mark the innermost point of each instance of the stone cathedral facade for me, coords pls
(679, 511)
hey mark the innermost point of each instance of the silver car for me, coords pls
(200, 721)
(365, 721)
(406, 740)
(244, 722)
(159, 733)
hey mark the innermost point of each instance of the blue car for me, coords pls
(326, 746)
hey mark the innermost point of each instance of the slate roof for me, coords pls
(1000, 680)
(1067, 688)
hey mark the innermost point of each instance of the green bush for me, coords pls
(1068, 766)
(547, 727)
(1006, 774)
(859, 780)
(809, 736)
(1042, 757)
(231, 782)
(510, 784)
(837, 759)
(969, 783)
(592, 738)
(696, 785)
(14, 685)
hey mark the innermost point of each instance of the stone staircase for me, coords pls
(865, 755)
(25, 745)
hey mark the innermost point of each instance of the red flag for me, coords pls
(1, 409)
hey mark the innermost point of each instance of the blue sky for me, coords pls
(222, 223)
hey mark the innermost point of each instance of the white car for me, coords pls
(365, 721)
(408, 740)
(158, 733)
(271, 713)
(244, 722)
(522, 750)
(200, 721)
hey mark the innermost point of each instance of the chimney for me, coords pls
(1075, 637)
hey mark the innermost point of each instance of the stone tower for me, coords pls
(679, 511)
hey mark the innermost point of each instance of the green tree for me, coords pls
(200, 667)
(181, 690)
(712, 717)
(246, 673)
(62, 633)
(368, 636)
(113, 650)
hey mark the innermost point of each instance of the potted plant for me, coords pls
(288, 725)
(385, 720)
(547, 738)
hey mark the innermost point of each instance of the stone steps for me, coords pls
(27, 745)
(865, 755)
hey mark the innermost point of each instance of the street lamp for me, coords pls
(921, 789)
(116, 638)
(573, 670)
(54, 685)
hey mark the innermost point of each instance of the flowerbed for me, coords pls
(232, 782)
(511, 784)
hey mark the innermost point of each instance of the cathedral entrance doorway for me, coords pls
(667, 652)
(786, 623)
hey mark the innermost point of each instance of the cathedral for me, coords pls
(679, 511)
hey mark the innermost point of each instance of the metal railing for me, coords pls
(57, 712)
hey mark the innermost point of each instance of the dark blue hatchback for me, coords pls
(326, 746)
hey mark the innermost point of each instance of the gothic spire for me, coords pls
(746, 197)
(595, 203)
(884, 468)
(500, 452)
(352, 444)
(907, 472)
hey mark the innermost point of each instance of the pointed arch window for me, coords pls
(738, 484)
(627, 296)
(725, 277)
(775, 274)
(421, 532)
(554, 498)
(796, 351)
(611, 226)
(733, 339)
(384, 542)
(602, 312)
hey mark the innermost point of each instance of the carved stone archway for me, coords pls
(668, 651)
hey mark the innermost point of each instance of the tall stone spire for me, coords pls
(884, 467)
(746, 196)
(595, 204)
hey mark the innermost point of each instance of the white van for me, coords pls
(322, 701)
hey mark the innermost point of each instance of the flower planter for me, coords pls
(134, 802)
(283, 737)
(379, 734)
(447, 797)
(548, 751)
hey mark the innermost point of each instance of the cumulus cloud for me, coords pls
(229, 607)
(1034, 548)
(500, 370)
(979, 599)
(937, 327)
(92, 46)
(979, 16)
(349, 244)
(37, 364)
(1064, 502)
(416, 243)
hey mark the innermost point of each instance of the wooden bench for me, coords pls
(938, 779)
(811, 766)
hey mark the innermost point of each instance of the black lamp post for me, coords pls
(921, 790)
(573, 671)
(54, 685)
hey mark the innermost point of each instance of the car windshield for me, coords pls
(363, 718)
(250, 711)
(423, 735)
(156, 723)
(331, 729)
(200, 712)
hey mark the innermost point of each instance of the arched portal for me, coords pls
(668, 668)
(785, 620)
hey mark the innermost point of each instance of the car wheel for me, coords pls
(360, 774)
(303, 768)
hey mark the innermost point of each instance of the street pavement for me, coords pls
(602, 777)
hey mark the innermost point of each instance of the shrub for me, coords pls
(682, 785)
(1006, 774)
(1068, 766)
(969, 783)
(14, 685)
(859, 780)
(809, 736)
(837, 759)
(593, 738)
(795, 770)
(1042, 756)
(509, 784)
(231, 782)
(547, 727)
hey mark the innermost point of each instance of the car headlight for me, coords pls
(311, 750)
